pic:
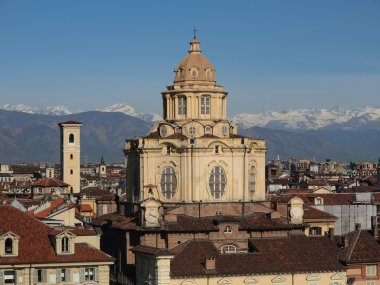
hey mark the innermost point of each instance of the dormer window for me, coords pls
(318, 201)
(65, 245)
(9, 246)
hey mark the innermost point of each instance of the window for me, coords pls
(217, 182)
(370, 282)
(315, 231)
(168, 149)
(313, 282)
(163, 131)
(39, 275)
(168, 182)
(71, 156)
(9, 277)
(229, 248)
(71, 138)
(228, 230)
(63, 274)
(182, 105)
(89, 274)
(205, 105)
(65, 244)
(224, 130)
(216, 149)
(371, 270)
(318, 201)
(192, 130)
(71, 171)
(208, 73)
(208, 130)
(252, 179)
(8, 245)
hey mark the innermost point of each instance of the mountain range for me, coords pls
(31, 134)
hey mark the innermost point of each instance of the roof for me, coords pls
(70, 122)
(311, 213)
(151, 250)
(85, 208)
(361, 247)
(271, 256)
(50, 182)
(35, 245)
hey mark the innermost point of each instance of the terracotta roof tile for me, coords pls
(35, 245)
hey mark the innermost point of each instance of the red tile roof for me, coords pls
(272, 256)
(85, 208)
(50, 182)
(311, 213)
(35, 245)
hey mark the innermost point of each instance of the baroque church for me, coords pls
(195, 154)
(194, 209)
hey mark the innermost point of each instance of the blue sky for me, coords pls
(269, 55)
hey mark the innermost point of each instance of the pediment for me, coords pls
(9, 234)
(337, 276)
(278, 279)
(313, 277)
(251, 280)
(224, 281)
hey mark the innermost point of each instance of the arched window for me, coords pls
(71, 171)
(208, 130)
(205, 104)
(168, 182)
(71, 156)
(252, 179)
(228, 230)
(8, 245)
(182, 105)
(71, 138)
(65, 244)
(217, 182)
(228, 248)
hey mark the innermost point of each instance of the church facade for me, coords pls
(195, 154)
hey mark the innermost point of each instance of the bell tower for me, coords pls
(70, 154)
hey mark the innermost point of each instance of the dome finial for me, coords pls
(195, 43)
(195, 33)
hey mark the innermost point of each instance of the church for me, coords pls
(194, 208)
(195, 154)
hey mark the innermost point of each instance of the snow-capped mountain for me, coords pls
(312, 119)
(129, 110)
(46, 110)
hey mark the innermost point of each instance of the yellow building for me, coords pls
(194, 153)
(34, 253)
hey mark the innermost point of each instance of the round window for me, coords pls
(224, 130)
(194, 72)
(192, 130)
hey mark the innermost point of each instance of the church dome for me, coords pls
(195, 66)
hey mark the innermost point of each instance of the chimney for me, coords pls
(358, 226)
(210, 263)
(331, 232)
(375, 227)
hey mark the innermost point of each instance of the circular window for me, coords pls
(192, 130)
(163, 131)
(194, 72)
(217, 182)
(168, 182)
(224, 130)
